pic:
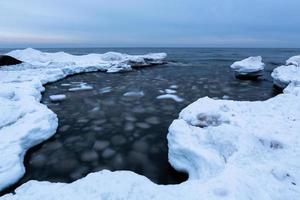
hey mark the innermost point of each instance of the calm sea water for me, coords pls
(103, 129)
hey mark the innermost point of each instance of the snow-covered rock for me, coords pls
(295, 60)
(285, 74)
(251, 67)
(24, 121)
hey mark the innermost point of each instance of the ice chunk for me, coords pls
(58, 97)
(170, 96)
(169, 91)
(105, 90)
(134, 94)
(82, 87)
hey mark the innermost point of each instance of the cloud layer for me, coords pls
(100, 23)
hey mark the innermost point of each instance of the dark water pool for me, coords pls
(103, 129)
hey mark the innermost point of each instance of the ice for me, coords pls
(170, 96)
(252, 67)
(24, 121)
(169, 91)
(174, 87)
(134, 94)
(82, 87)
(105, 90)
(58, 97)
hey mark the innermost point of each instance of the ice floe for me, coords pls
(24, 121)
(251, 67)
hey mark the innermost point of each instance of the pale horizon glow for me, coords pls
(155, 23)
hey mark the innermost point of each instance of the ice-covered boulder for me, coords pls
(295, 60)
(248, 68)
(285, 74)
(24, 121)
(8, 60)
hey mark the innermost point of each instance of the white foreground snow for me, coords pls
(230, 149)
(24, 121)
(286, 74)
(251, 66)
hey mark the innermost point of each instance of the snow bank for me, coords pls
(252, 66)
(24, 121)
(110, 62)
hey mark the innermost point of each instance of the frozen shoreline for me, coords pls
(214, 141)
(25, 122)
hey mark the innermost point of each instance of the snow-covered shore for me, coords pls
(230, 149)
(24, 121)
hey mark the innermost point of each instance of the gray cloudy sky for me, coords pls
(122, 23)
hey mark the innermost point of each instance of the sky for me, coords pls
(149, 23)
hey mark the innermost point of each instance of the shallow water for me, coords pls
(102, 128)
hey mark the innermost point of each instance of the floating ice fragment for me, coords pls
(58, 97)
(169, 91)
(105, 90)
(134, 94)
(170, 96)
(82, 87)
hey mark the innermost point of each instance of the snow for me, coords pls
(57, 97)
(24, 121)
(249, 66)
(230, 149)
(170, 96)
